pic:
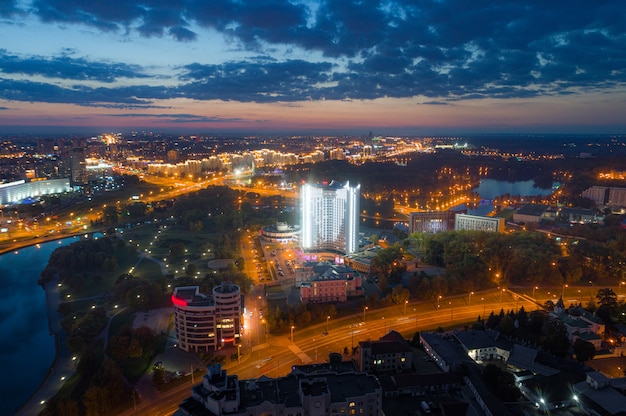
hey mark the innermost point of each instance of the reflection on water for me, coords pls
(491, 188)
(27, 349)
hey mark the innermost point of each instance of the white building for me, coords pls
(330, 217)
(477, 223)
(14, 192)
(204, 322)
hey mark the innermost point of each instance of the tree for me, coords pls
(584, 350)
(177, 250)
(606, 297)
(555, 337)
(110, 215)
(399, 295)
(158, 376)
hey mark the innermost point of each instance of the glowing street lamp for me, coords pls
(292, 327)
(364, 309)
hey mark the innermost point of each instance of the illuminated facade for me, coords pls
(330, 217)
(14, 192)
(477, 223)
(78, 167)
(204, 322)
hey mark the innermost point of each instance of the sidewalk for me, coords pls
(63, 365)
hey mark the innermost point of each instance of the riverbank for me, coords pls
(62, 367)
(8, 247)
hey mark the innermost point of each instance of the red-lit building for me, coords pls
(207, 322)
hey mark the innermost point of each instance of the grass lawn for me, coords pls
(123, 318)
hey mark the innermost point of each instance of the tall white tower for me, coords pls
(330, 217)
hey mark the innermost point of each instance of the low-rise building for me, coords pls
(389, 354)
(314, 393)
(331, 283)
(580, 323)
(478, 223)
(531, 214)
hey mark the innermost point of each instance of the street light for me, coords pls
(438, 301)
(405, 302)
(451, 311)
(292, 327)
(239, 353)
(534, 288)
(364, 309)
(469, 298)
(502, 291)
(385, 324)
(483, 299)
(327, 319)
(563, 290)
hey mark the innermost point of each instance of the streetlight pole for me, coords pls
(364, 309)
(292, 333)
(483, 299)
(534, 288)
(238, 353)
(451, 311)
(415, 318)
(563, 290)
(438, 301)
(502, 291)
(327, 319)
(405, 303)
(469, 298)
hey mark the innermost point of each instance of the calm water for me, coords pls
(491, 188)
(27, 349)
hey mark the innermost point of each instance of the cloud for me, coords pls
(65, 67)
(337, 50)
(182, 118)
(10, 8)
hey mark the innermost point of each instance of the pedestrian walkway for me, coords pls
(300, 354)
(63, 366)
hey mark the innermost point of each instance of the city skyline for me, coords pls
(403, 67)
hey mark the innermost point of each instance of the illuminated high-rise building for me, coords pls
(78, 167)
(330, 217)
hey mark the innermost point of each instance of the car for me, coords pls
(158, 364)
(324, 333)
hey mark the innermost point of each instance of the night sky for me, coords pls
(395, 67)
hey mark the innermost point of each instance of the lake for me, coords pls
(491, 188)
(27, 350)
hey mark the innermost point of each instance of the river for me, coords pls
(27, 350)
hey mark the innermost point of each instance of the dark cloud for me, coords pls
(450, 49)
(256, 81)
(65, 67)
(9, 8)
(435, 103)
(183, 118)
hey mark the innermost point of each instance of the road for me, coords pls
(274, 355)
